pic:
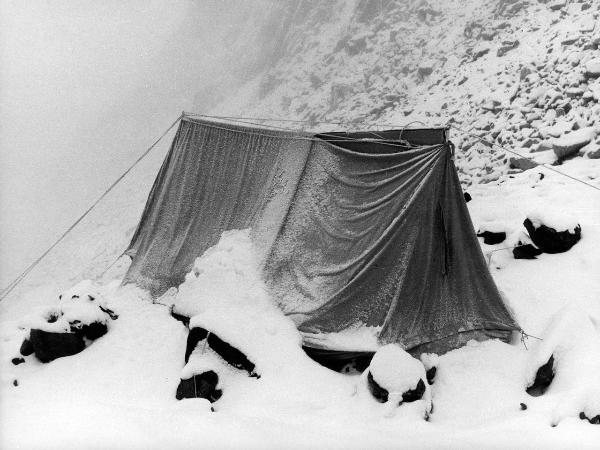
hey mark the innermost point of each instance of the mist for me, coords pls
(86, 87)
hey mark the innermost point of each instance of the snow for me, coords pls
(224, 293)
(395, 370)
(120, 391)
(552, 218)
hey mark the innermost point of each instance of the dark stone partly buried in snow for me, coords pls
(91, 331)
(430, 374)
(48, 345)
(593, 420)
(381, 395)
(526, 251)
(229, 353)
(26, 348)
(543, 379)
(549, 240)
(17, 361)
(200, 386)
(492, 238)
(467, 197)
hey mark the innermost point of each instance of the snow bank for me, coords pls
(573, 338)
(78, 305)
(224, 293)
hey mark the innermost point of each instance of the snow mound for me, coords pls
(573, 338)
(224, 293)
(553, 219)
(395, 370)
(79, 305)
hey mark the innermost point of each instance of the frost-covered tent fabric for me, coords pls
(365, 238)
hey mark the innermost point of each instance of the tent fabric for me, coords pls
(356, 231)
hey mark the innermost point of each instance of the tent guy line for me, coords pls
(489, 143)
(12, 285)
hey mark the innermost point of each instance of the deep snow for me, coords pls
(120, 391)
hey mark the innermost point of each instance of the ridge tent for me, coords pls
(364, 238)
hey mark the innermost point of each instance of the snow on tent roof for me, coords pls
(356, 230)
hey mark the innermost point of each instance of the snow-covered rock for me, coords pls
(592, 68)
(552, 232)
(572, 142)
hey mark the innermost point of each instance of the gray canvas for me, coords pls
(351, 232)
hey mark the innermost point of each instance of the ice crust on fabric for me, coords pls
(361, 236)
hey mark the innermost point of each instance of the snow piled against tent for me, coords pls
(225, 294)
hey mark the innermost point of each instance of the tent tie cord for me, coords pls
(12, 285)
(526, 336)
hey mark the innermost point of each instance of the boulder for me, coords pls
(203, 385)
(593, 420)
(526, 251)
(521, 163)
(49, 346)
(543, 379)
(549, 240)
(569, 144)
(26, 348)
(592, 150)
(381, 395)
(592, 68)
(506, 47)
(396, 376)
(467, 197)
(230, 354)
(492, 238)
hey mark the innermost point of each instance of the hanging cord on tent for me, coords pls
(8, 289)
(493, 144)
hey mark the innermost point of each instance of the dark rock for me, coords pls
(523, 406)
(91, 331)
(492, 238)
(226, 351)
(381, 395)
(200, 386)
(109, 311)
(549, 240)
(17, 361)
(412, 395)
(593, 420)
(180, 317)
(49, 346)
(467, 197)
(526, 251)
(521, 163)
(26, 348)
(506, 47)
(15, 382)
(543, 379)
(430, 374)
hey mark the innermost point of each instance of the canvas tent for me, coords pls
(360, 234)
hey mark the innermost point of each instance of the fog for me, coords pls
(86, 86)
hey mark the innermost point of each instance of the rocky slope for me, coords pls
(513, 77)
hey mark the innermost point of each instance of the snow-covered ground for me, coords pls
(120, 391)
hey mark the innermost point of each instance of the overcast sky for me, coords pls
(85, 87)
